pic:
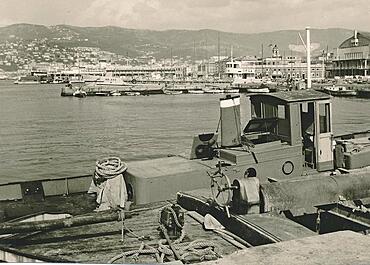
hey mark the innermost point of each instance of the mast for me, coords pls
(218, 55)
(308, 48)
(262, 60)
(231, 53)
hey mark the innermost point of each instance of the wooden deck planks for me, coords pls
(98, 243)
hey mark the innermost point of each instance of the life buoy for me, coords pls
(288, 167)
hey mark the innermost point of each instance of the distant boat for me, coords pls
(27, 80)
(111, 81)
(195, 91)
(172, 92)
(258, 89)
(115, 93)
(80, 93)
(364, 93)
(231, 91)
(214, 91)
(340, 91)
(132, 93)
(102, 94)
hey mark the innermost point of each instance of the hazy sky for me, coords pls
(227, 15)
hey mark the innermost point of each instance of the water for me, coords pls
(44, 134)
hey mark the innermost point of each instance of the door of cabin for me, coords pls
(323, 136)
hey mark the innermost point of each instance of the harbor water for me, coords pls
(44, 134)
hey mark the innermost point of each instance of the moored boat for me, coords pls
(132, 93)
(363, 93)
(195, 91)
(115, 93)
(171, 91)
(339, 91)
(79, 93)
(262, 88)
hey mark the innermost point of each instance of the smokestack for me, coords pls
(230, 121)
(355, 34)
(308, 45)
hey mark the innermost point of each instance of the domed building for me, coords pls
(352, 56)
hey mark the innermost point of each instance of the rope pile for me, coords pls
(108, 168)
(199, 249)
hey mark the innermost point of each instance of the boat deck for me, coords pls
(98, 243)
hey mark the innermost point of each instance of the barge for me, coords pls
(281, 182)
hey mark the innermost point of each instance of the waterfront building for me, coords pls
(214, 67)
(352, 56)
(288, 67)
(144, 72)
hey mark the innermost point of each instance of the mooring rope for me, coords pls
(108, 168)
(200, 249)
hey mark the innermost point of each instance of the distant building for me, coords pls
(289, 67)
(352, 56)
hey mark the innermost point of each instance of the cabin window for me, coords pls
(324, 117)
(256, 110)
(281, 112)
(269, 111)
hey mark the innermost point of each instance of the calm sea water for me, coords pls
(44, 134)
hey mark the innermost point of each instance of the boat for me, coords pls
(195, 91)
(275, 190)
(248, 191)
(102, 94)
(340, 91)
(76, 80)
(232, 91)
(112, 81)
(115, 93)
(262, 88)
(363, 93)
(27, 80)
(132, 93)
(79, 93)
(246, 188)
(171, 91)
(214, 91)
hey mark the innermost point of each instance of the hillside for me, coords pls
(182, 42)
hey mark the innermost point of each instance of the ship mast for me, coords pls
(308, 49)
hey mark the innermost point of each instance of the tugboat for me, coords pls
(275, 181)
(280, 190)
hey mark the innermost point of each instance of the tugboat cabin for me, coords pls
(289, 132)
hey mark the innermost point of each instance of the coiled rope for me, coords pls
(199, 249)
(108, 168)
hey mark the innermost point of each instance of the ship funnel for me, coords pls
(230, 121)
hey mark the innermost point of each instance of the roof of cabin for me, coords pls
(295, 95)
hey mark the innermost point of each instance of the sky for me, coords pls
(244, 16)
